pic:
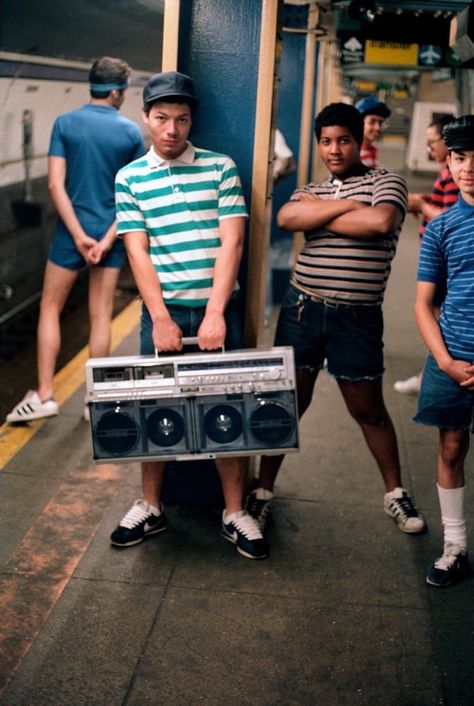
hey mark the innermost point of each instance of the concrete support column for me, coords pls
(228, 47)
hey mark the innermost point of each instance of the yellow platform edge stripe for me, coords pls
(66, 382)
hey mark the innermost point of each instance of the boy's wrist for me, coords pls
(445, 362)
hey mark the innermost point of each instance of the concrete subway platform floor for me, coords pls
(338, 615)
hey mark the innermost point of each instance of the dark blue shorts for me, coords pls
(189, 319)
(348, 337)
(442, 402)
(63, 251)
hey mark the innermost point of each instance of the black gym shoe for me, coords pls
(258, 505)
(401, 507)
(138, 523)
(244, 531)
(450, 567)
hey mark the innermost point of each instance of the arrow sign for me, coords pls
(353, 44)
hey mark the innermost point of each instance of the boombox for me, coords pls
(193, 406)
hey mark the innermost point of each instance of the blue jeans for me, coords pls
(348, 336)
(442, 402)
(189, 320)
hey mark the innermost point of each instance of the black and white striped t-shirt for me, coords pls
(351, 270)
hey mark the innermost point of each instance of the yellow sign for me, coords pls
(391, 53)
(401, 94)
(366, 85)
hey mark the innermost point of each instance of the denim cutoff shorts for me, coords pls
(442, 402)
(63, 251)
(189, 320)
(348, 336)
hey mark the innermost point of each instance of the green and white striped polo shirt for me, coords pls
(179, 204)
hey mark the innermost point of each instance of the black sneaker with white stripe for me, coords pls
(243, 531)
(139, 522)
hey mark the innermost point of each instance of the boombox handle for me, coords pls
(187, 341)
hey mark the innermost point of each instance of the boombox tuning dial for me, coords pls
(271, 374)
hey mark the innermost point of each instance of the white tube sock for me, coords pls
(452, 516)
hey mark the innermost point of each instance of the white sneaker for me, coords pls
(243, 531)
(400, 506)
(86, 413)
(31, 407)
(410, 386)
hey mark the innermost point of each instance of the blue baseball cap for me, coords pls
(372, 106)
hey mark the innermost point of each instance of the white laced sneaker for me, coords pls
(242, 530)
(410, 386)
(31, 407)
(399, 505)
(139, 522)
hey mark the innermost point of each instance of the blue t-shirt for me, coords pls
(447, 252)
(96, 142)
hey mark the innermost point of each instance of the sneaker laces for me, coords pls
(258, 507)
(137, 514)
(404, 506)
(449, 558)
(247, 526)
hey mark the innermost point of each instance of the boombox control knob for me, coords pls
(272, 374)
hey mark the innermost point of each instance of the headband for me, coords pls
(109, 86)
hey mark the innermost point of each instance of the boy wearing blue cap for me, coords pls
(447, 389)
(375, 113)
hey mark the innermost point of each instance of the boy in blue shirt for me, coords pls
(447, 391)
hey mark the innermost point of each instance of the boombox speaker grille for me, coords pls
(165, 427)
(271, 423)
(223, 424)
(117, 433)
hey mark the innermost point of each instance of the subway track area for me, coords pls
(18, 339)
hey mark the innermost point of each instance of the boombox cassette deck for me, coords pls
(193, 406)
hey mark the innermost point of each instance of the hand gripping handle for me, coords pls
(187, 341)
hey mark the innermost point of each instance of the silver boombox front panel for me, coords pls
(193, 406)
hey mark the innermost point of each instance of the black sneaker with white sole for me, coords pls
(244, 532)
(449, 568)
(137, 524)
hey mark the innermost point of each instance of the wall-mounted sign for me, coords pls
(356, 49)
(352, 51)
(453, 59)
(391, 53)
(444, 74)
(430, 55)
(366, 86)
